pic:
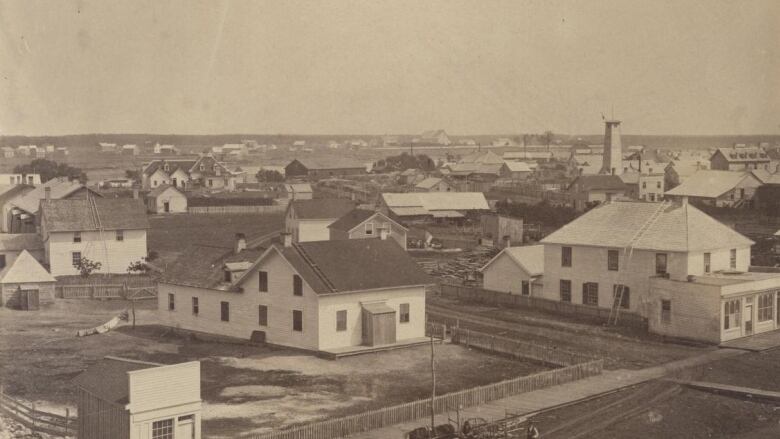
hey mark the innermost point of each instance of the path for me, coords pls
(531, 402)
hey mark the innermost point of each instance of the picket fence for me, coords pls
(554, 306)
(37, 420)
(263, 210)
(411, 411)
(106, 291)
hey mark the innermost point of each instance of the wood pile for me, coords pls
(463, 268)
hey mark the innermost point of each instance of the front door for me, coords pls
(173, 182)
(748, 319)
(166, 207)
(186, 427)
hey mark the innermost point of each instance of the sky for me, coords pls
(389, 67)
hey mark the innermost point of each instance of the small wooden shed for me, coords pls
(25, 283)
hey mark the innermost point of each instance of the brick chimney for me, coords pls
(240, 242)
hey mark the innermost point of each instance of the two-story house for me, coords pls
(361, 223)
(308, 220)
(328, 296)
(111, 231)
(740, 158)
(20, 210)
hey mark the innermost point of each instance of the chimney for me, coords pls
(384, 232)
(240, 242)
(287, 239)
(47, 193)
(684, 201)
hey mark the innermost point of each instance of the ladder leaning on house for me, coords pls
(628, 251)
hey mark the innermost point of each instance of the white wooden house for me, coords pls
(361, 223)
(111, 231)
(328, 296)
(119, 398)
(308, 220)
(166, 199)
(516, 270)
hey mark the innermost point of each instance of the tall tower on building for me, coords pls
(613, 149)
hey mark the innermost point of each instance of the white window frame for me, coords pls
(369, 229)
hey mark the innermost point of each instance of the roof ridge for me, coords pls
(317, 270)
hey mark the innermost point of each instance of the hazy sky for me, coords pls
(326, 67)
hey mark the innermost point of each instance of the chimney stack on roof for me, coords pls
(240, 242)
(287, 239)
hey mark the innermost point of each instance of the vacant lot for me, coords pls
(245, 388)
(759, 370)
(171, 234)
(620, 347)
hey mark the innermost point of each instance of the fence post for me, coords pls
(67, 421)
(32, 418)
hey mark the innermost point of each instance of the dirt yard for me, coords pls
(170, 234)
(245, 388)
(620, 347)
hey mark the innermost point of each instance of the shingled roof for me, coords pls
(710, 183)
(93, 214)
(202, 266)
(356, 217)
(107, 379)
(676, 228)
(59, 188)
(322, 208)
(598, 182)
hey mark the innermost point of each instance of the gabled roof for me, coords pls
(710, 183)
(357, 217)
(488, 157)
(428, 183)
(518, 167)
(202, 266)
(26, 269)
(430, 201)
(20, 241)
(322, 208)
(676, 228)
(766, 177)
(688, 167)
(530, 258)
(744, 154)
(108, 380)
(330, 267)
(330, 163)
(60, 188)
(94, 214)
(8, 192)
(173, 165)
(156, 192)
(599, 182)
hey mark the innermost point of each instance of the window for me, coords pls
(262, 315)
(171, 302)
(76, 236)
(733, 259)
(2, 261)
(625, 299)
(731, 314)
(297, 320)
(403, 313)
(195, 306)
(211, 182)
(658, 185)
(660, 263)
(613, 260)
(644, 185)
(341, 320)
(369, 228)
(590, 293)
(707, 259)
(120, 235)
(565, 290)
(526, 288)
(228, 277)
(224, 311)
(565, 256)
(262, 281)
(666, 311)
(297, 285)
(202, 168)
(765, 307)
(162, 429)
(75, 257)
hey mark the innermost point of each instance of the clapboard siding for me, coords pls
(161, 387)
(115, 256)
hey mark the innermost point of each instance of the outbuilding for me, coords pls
(516, 270)
(25, 283)
(166, 199)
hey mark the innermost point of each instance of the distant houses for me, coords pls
(28, 179)
(308, 220)
(205, 171)
(739, 158)
(166, 199)
(588, 190)
(433, 206)
(366, 224)
(316, 169)
(718, 188)
(433, 138)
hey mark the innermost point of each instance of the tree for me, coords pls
(133, 174)
(50, 169)
(406, 161)
(548, 138)
(138, 267)
(270, 176)
(87, 266)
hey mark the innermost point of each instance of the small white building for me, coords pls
(29, 179)
(23, 276)
(516, 270)
(308, 220)
(119, 398)
(166, 199)
(433, 184)
(361, 224)
(298, 191)
(111, 231)
(327, 296)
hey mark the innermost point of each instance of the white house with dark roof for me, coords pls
(516, 270)
(327, 296)
(120, 398)
(361, 224)
(718, 188)
(308, 220)
(111, 231)
(687, 273)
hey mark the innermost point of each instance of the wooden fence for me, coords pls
(106, 291)
(554, 306)
(263, 210)
(37, 420)
(341, 427)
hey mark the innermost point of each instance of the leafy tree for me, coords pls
(50, 169)
(270, 176)
(87, 266)
(138, 267)
(133, 174)
(406, 161)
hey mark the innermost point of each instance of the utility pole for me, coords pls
(433, 385)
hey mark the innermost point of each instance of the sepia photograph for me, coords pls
(389, 219)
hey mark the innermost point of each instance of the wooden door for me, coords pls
(748, 319)
(384, 328)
